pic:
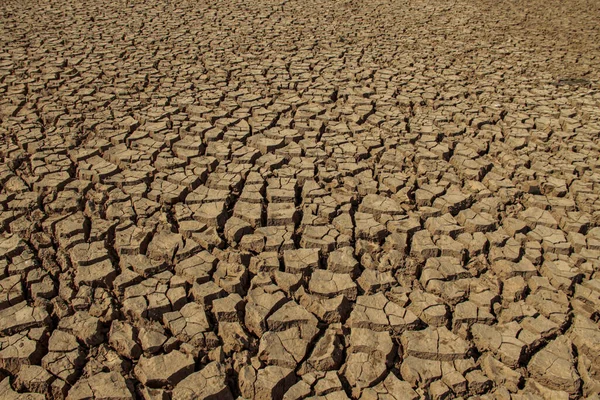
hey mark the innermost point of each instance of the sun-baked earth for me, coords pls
(376, 200)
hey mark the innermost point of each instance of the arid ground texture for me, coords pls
(267, 199)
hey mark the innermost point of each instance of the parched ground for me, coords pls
(378, 200)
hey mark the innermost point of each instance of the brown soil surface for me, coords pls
(389, 199)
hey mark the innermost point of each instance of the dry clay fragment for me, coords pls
(188, 324)
(11, 291)
(585, 335)
(284, 349)
(20, 317)
(262, 302)
(501, 374)
(122, 339)
(370, 355)
(291, 329)
(33, 378)
(163, 370)
(377, 313)
(391, 388)
(21, 350)
(268, 383)
(327, 284)
(327, 353)
(7, 392)
(84, 326)
(65, 357)
(102, 386)
(208, 383)
(378, 205)
(435, 344)
(553, 366)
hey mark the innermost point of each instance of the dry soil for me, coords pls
(378, 200)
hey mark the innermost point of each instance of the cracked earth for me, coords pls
(383, 200)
